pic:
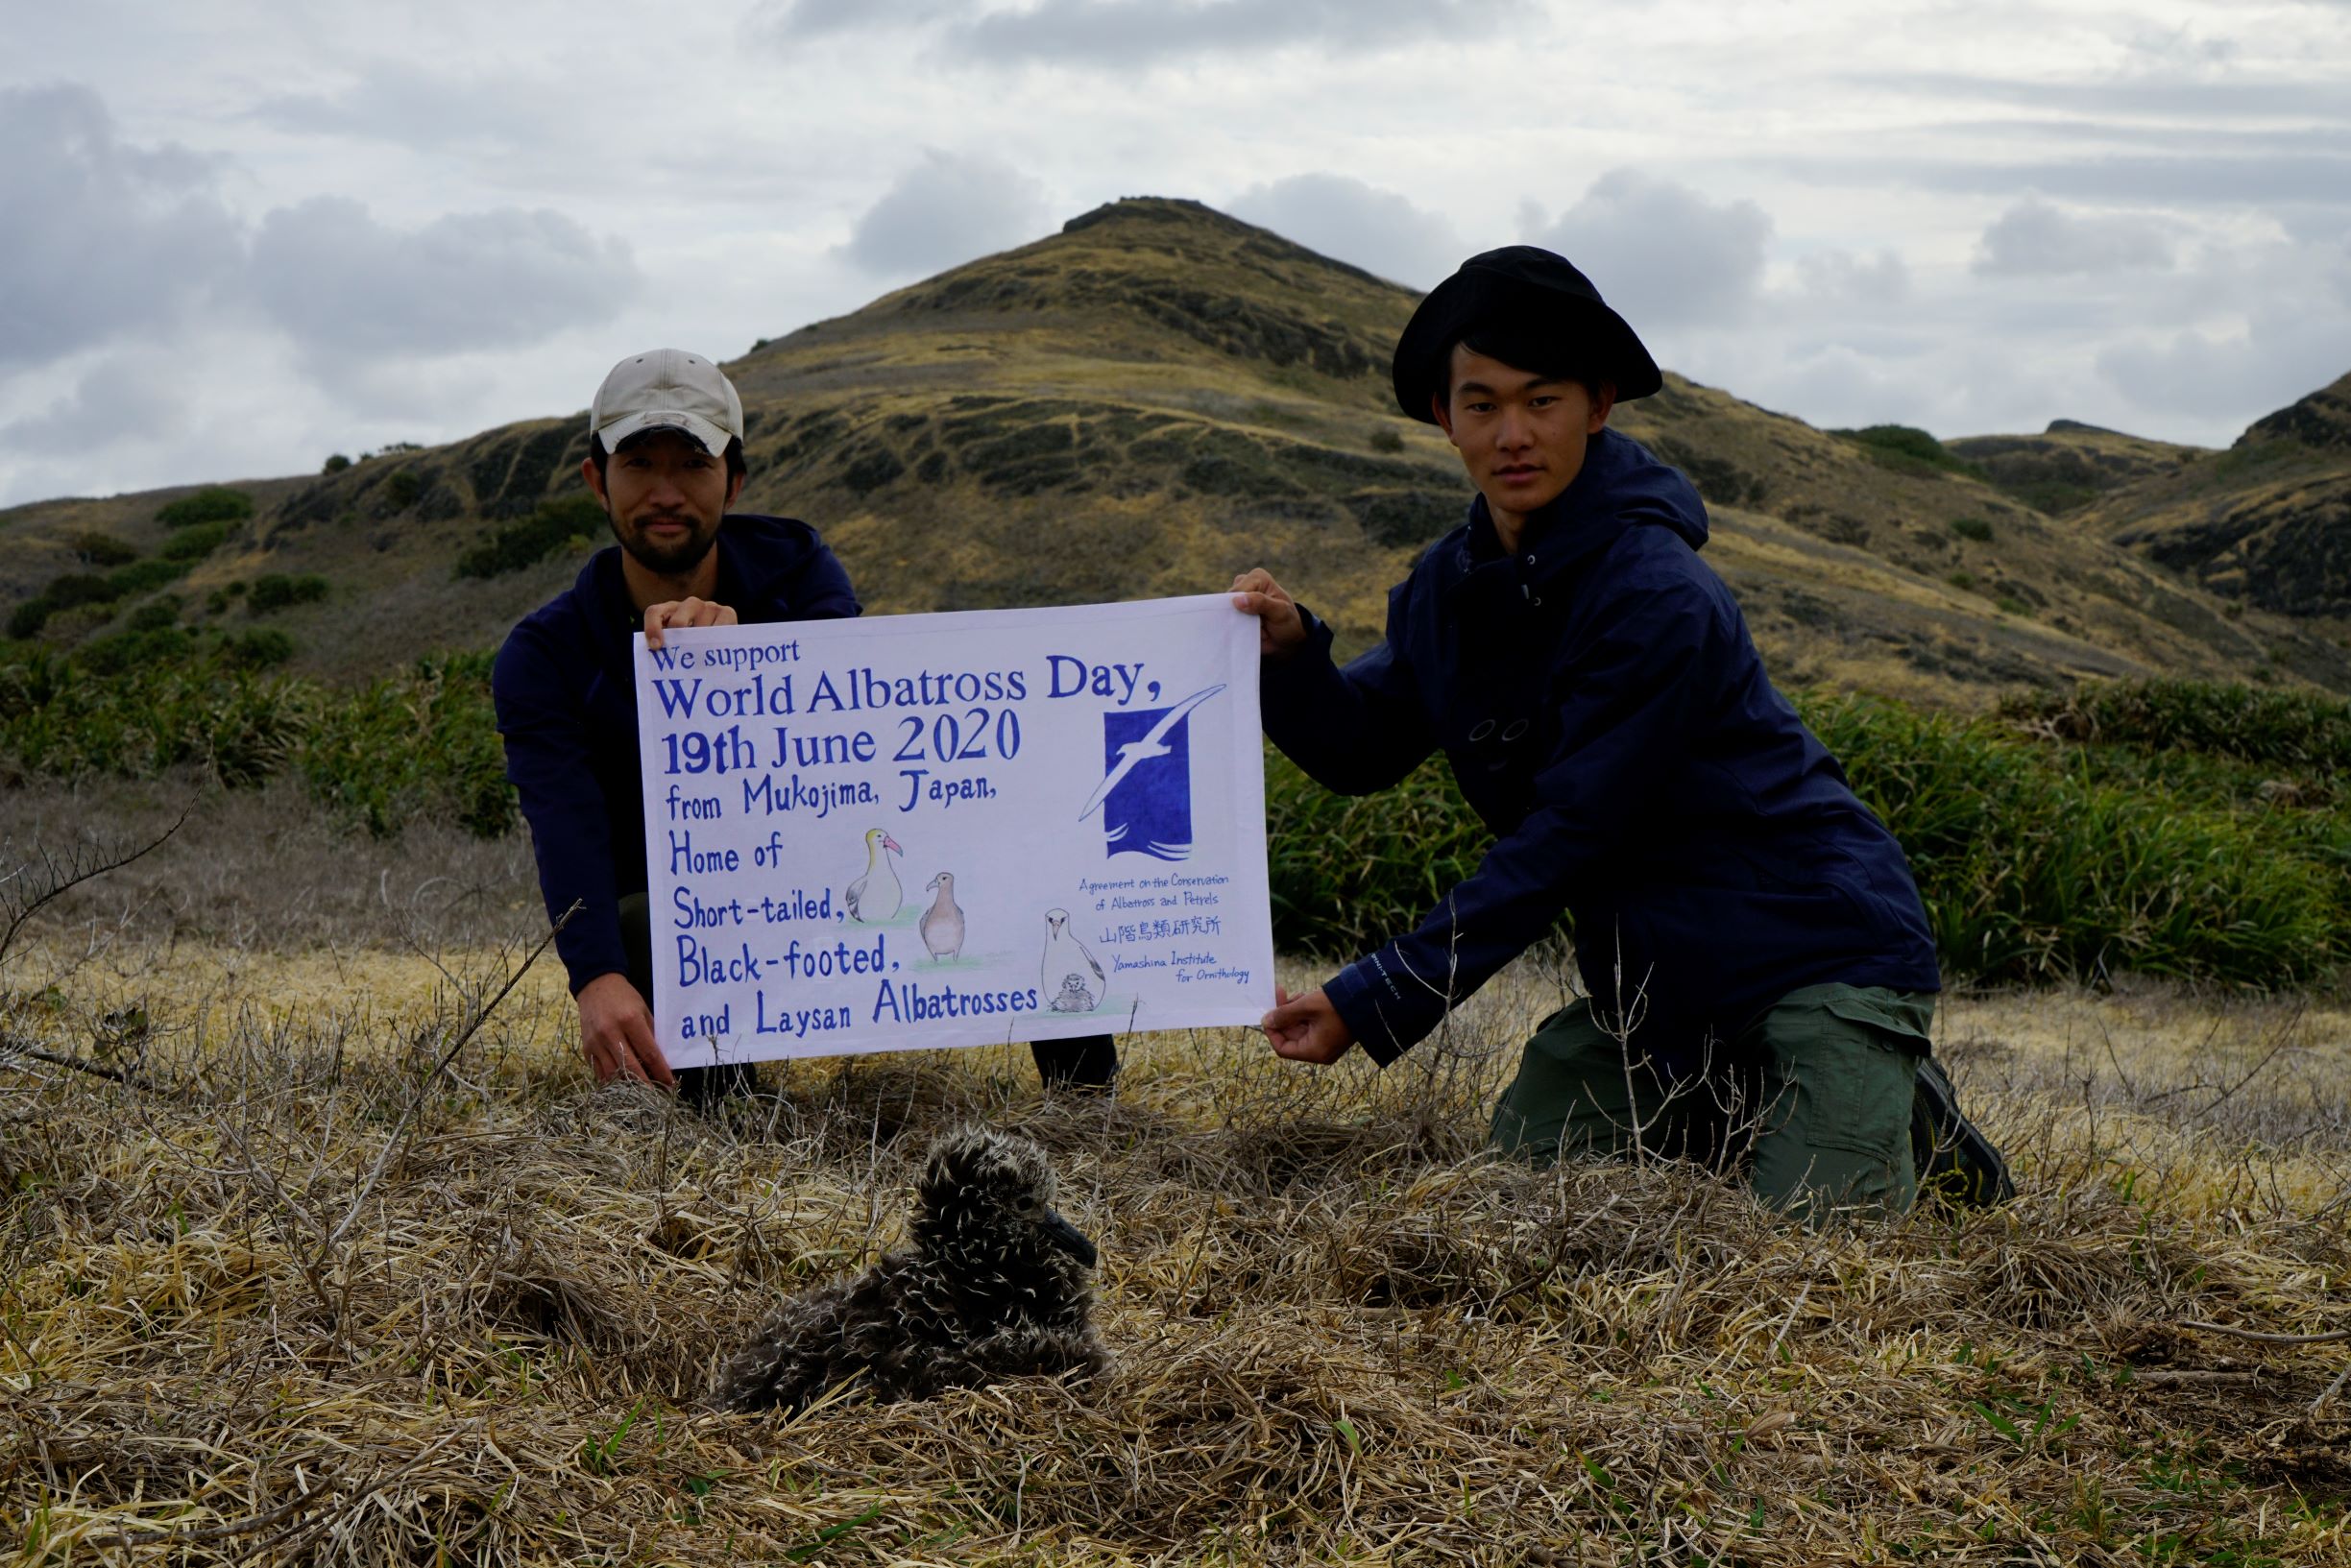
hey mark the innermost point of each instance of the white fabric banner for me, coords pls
(955, 830)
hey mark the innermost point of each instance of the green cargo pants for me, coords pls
(1813, 1101)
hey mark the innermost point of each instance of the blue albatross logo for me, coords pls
(1145, 793)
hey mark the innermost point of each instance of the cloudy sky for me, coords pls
(246, 233)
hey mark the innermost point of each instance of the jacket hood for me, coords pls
(1622, 485)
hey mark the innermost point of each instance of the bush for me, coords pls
(276, 591)
(2296, 729)
(28, 618)
(1963, 581)
(1384, 440)
(525, 543)
(1908, 450)
(1978, 529)
(80, 588)
(215, 503)
(163, 609)
(336, 463)
(261, 648)
(138, 646)
(142, 576)
(96, 549)
(2035, 860)
(422, 744)
(401, 488)
(194, 543)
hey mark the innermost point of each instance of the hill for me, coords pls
(2265, 525)
(1143, 404)
(2071, 464)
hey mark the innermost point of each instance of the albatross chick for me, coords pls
(992, 1285)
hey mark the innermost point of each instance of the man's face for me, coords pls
(665, 493)
(1521, 436)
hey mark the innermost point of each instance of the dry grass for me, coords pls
(302, 1300)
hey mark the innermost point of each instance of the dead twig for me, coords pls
(2336, 1336)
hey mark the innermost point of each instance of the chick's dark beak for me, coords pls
(1068, 1238)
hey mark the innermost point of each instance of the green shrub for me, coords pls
(264, 647)
(1384, 440)
(1907, 449)
(215, 503)
(336, 463)
(401, 488)
(81, 588)
(1348, 873)
(1963, 581)
(2308, 729)
(1978, 529)
(163, 609)
(527, 543)
(95, 550)
(420, 744)
(2008, 604)
(195, 542)
(2035, 860)
(135, 647)
(142, 576)
(28, 618)
(276, 591)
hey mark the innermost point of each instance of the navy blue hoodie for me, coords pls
(566, 688)
(1606, 716)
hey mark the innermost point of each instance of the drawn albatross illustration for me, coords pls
(1151, 743)
(942, 924)
(876, 896)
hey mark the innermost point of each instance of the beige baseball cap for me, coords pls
(667, 388)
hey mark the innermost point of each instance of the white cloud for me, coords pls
(1130, 33)
(116, 396)
(1350, 221)
(340, 282)
(945, 210)
(106, 238)
(1839, 278)
(2036, 238)
(1660, 252)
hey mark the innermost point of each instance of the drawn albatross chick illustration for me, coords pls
(992, 1285)
(1071, 977)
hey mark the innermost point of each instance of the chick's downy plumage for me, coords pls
(992, 1285)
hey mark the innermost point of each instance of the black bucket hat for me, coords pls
(1527, 291)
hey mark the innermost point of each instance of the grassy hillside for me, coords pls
(1144, 404)
(2266, 525)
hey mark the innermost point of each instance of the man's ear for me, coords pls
(596, 480)
(1440, 405)
(1604, 398)
(734, 488)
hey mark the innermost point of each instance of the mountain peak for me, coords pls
(2321, 419)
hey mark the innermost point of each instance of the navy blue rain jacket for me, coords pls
(1606, 716)
(566, 690)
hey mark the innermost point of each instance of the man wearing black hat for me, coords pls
(1757, 964)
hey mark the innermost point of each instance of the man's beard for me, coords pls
(665, 560)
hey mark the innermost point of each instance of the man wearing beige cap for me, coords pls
(665, 460)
